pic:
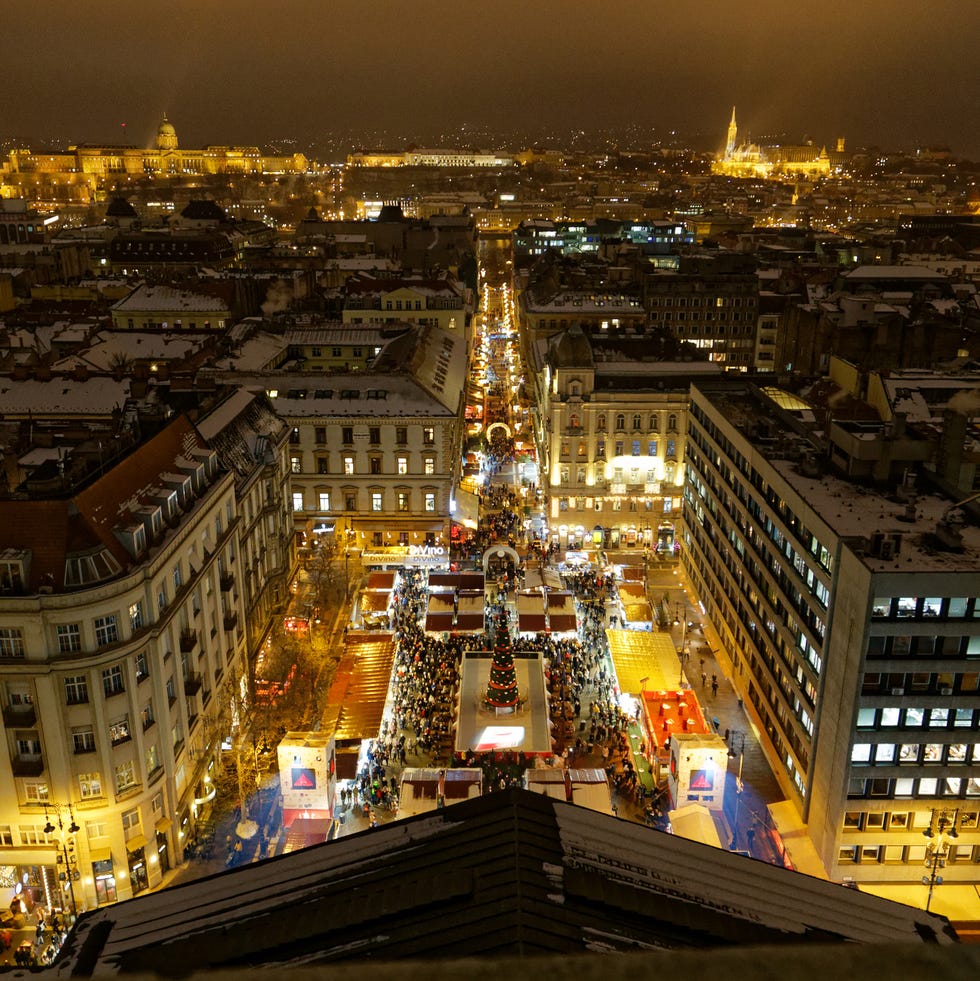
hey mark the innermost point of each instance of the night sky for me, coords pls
(875, 71)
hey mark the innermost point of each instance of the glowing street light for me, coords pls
(66, 839)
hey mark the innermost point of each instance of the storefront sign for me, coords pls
(425, 556)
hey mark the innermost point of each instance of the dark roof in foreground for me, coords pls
(511, 874)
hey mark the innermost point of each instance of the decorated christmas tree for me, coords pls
(502, 689)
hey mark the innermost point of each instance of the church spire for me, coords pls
(732, 136)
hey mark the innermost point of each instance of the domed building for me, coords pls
(166, 135)
(86, 172)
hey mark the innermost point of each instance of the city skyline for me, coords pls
(79, 74)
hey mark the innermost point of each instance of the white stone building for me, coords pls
(127, 602)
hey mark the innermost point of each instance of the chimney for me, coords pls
(949, 457)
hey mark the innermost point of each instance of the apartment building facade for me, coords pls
(121, 633)
(612, 433)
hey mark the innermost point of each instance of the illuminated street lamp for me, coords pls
(736, 747)
(942, 828)
(67, 858)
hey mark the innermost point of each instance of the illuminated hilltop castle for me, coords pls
(82, 173)
(752, 160)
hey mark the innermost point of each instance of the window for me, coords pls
(322, 464)
(119, 731)
(637, 422)
(69, 638)
(152, 759)
(654, 422)
(600, 423)
(125, 776)
(295, 464)
(350, 502)
(401, 436)
(83, 740)
(403, 501)
(401, 464)
(136, 616)
(428, 436)
(374, 435)
(347, 435)
(375, 464)
(889, 716)
(376, 501)
(320, 434)
(348, 465)
(429, 465)
(35, 793)
(620, 421)
(131, 823)
(297, 500)
(324, 500)
(430, 501)
(162, 598)
(76, 689)
(294, 436)
(105, 630)
(146, 715)
(112, 681)
(11, 642)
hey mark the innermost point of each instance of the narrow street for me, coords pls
(595, 727)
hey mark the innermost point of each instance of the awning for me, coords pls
(163, 825)
(100, 855)
(562, 623)
(531, 623)
(291, 814)
(135, 843)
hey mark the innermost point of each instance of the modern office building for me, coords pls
(710, 302)
(851, 614)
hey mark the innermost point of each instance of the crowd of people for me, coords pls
(590, 729)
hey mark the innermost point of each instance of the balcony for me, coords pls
(227, 581)
(574, 430)
(27, 765)
(192, 683)
(19, 716)
(231, 621)
(188, 641)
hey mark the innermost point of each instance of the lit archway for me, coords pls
(498, 552)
